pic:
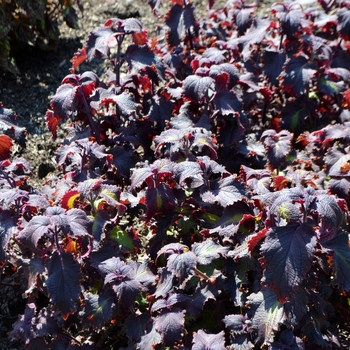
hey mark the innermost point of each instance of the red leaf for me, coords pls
(5, 147)
(255, 238)
(78, 58)
(52, 121)
(346, 101)
(69, 198)
(140, 38)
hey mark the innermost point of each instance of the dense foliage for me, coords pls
(31, 22)
(205, 189)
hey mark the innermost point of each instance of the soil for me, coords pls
(29, 93)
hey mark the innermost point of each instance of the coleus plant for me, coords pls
(205, 189)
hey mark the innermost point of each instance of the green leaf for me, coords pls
(122, 238)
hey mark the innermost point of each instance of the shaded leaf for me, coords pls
(8, 226)
(98, 307)
(341, 259)
(286, 257)
(226, 102)
(297, 75)
(170, 325)
(331, 216)
(179, 20)
(278, 145)
(63, 282)
(8, 122)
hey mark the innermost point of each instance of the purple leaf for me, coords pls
(172, 248)
(98, 308)
(165, 283)
(331, 216)
(147, 173)
(8, 226)
(79, 223)
(294, 115)
(100, 42)
(226, 191)
(63, 282)
(122, 279)
(91, 148)
(208, 250)
(179, 20)
(68, 98)
(286, 257)
(339, 186)
(190, 174)
(122, 160)
(201, 295)
(236, 323)
(127, 290)
(168, 304)
(170, 325)
(291, 21)
(273, 64)
(268, 314)
(143, 274)
(243, 18)
(226, 102)
(8, 122)
(136, 326)
(219, 71)
(339, 162)
(341, 258)
(181, 262)
(256, 34)
(229, 223)
(343, 26)
(258, 181)
(182, 265)
(278, 145)
(160, 111)
(68, 154)
(196, 87)
(297, 75)
(214, 55)
(24, 327)
(98, 227)
(37, 227)
(150, 340)
(125, 103)
(159, 200)
(207, 341)
(139, 57)
(113, 268)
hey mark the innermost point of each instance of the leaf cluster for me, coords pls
(205, 190)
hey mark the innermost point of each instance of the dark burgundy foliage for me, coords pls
(205, 189)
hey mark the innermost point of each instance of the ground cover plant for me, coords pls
(204, 189)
